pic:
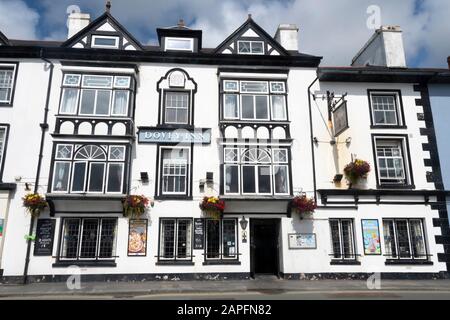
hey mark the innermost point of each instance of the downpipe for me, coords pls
(44, 127)
(312, 139)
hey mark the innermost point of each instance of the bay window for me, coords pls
(89, 168)
(175, 242)
(95, 95)
(404, 239)
(256, 171)
(221, 239)
(254, 100)
(88, 239)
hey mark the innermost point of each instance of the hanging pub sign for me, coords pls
(302, 241)
(371, 236)
(199, 233)
(137, 238)
(45, 230)
(157, 135)
(340, 119)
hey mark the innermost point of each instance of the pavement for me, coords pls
(259, 288)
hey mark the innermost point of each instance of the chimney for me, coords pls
(448, 61)
(384, 48)
(76, 22)
(287, 36)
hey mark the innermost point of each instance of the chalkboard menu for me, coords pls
(199, 233)
(45, 230)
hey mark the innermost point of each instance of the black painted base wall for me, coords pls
(222, 277)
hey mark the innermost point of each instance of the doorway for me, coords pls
(264, 246)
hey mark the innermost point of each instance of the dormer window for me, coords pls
(106, 42)
(250, 47)
(179, 44)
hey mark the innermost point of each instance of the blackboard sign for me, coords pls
(199, 233)
(45, 230)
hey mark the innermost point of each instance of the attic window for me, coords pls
(250, 47)
(179, 44)
(105, 42)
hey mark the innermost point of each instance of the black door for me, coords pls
(264, 246)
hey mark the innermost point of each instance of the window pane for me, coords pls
(167, 249)
(103, 102)
(231, 109)
(69, 101)
(247, 107)
(120, 107)
(89, 238)
(262, 110)
(244, 46)
(278, 107)
(117, 153)
(248, 179)
(229, 238)
(264, 179)
(115, 177)
(281, 179)
(177, 106)
(178, 44)
(70, 238)
(385, 109)
(108, 42)
(96, 177)
(87, 102)
(335, 238)
(347, 239)
(79, 173)
(231, 86)
(97, 81)
(107, 238)
(6, 81)
(184, 239)
(174, 170)
(72, 79)
(61, 176)
(254, 86)
(417, 238)
(212, 239)
(231, 179)
(389, 239)
(2, 142)
(122, 82)
(277, 87)
(404, 249)
(257, 47)
(63, 151)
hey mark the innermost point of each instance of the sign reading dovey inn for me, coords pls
(158, 135)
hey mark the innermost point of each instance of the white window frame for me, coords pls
(95, 37)
(238, 100)
(72, 75)
(251, 47)
(76, 103)
(271, 107)
(161, 169)
(277, 92)
(119, 86)
(113, 103)
(398, 115)
(405, 161)
(104, 163)
(254, 107)
(95, 103)
(188, 109)
(341, 238)
(8, 67)
(228, 90)
(256, 169)
(168, 39)
(105, 187)
(175, 240)
(69, 176)
(83, 86)
(254, 92)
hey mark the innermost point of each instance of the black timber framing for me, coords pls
(435, 175)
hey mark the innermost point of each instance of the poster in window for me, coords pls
(137, 237)
(302, 241)
(340, 119)
(371, 237)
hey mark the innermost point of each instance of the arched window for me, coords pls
(89, 168)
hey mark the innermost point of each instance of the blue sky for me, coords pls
(333, 29)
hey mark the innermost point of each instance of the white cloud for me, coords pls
(333, 29)
(18, 21)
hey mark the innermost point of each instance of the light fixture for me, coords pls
(144, 177)
(338, 177)
(243, 223)
(348, 140)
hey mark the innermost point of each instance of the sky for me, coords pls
(334, 29)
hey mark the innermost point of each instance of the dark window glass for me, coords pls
(168, 239)
(70, 238)
(96, 177)
(404, 249)
(248, 179)
(103, 101)
(87, 102)
(107, 238)
(115, 177)
(232, 179)
(79, 171)
(212, 239)
(264, 179)
(89, 238)
(247, 107)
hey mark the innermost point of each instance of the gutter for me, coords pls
(44, 127)
(312, 139)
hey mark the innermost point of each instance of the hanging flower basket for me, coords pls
(356, 171)
(136, 205)
(213, 207)
(303, 205)
(34, 203)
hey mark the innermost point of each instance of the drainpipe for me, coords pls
(44, 127)
(312, 139)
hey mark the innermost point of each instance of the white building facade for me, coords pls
(92, 120)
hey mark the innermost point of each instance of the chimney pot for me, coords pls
(287, 36)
